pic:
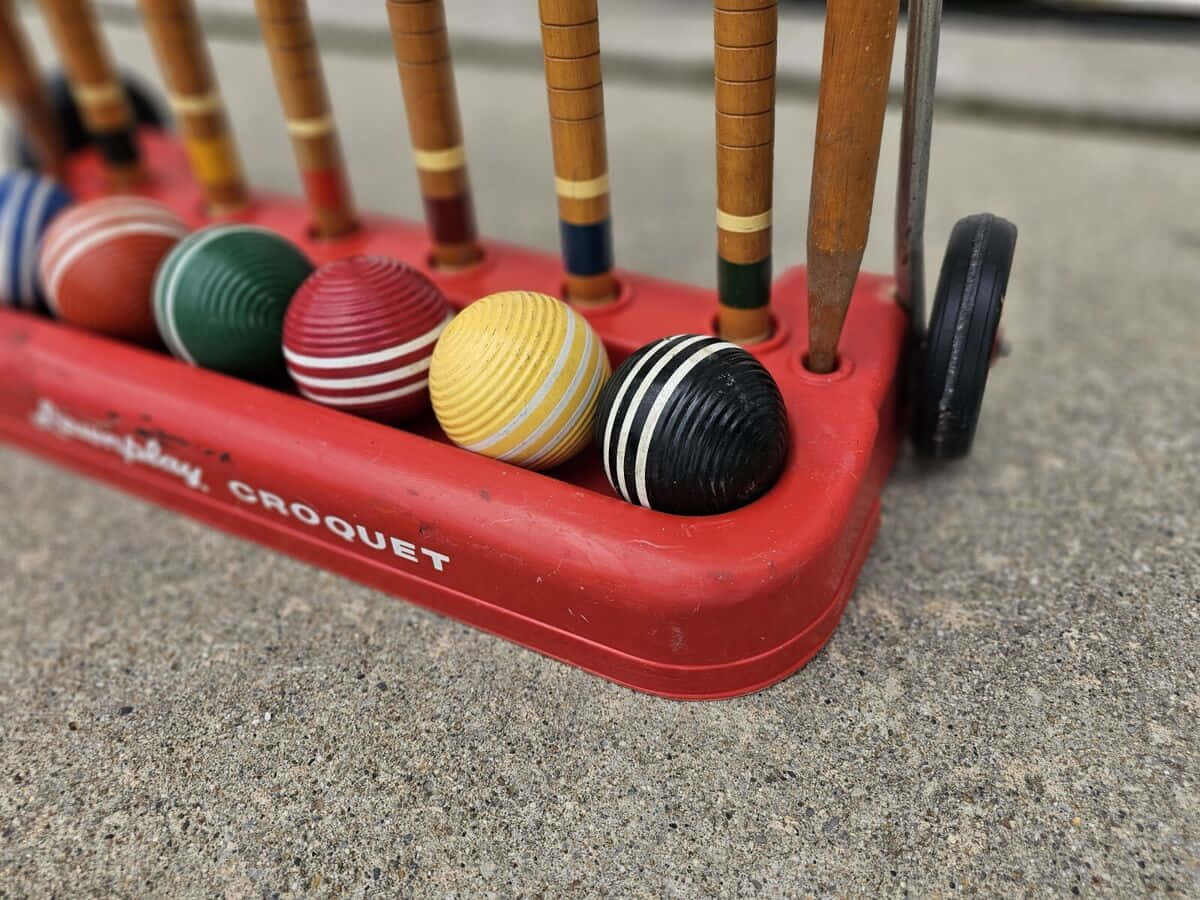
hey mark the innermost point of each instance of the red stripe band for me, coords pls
(451, 219)
(325, 188)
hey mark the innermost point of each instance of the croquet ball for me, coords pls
(143, 101)
(98, 262)
(515, 376)
(220, 298)
(359, 334)
(692, 425)
(27, 204)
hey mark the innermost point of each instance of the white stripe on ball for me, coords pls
(636, 402)
(362, 381)
(363, 399)
(560, 362)
(585, 362)
(592, 362)
(368, 359)
(63, 261)
(28, 261)
(8, 228)
(656, 410)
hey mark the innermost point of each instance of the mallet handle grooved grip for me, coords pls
(575, 95)
(102, 102)
(855, 68)
(21, 87)
(288, 33)
(422, 49)
(744, 52)
(178, 43)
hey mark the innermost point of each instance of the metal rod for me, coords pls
(916, 130)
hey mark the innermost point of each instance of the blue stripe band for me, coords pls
(587, 249)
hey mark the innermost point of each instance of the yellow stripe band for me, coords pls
(743, 224)
(212, 160)
(194, 104)
(581, 190)
(447, 160)
(310, 127)
(94, 94)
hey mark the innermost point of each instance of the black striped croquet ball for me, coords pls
(692, 425)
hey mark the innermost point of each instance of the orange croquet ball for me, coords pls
(98, 262)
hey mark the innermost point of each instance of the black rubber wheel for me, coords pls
(147, 110)
(962, 333)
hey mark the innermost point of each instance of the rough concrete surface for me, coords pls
(1008, 708)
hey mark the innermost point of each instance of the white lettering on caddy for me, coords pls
(339, 527)
(149, 453)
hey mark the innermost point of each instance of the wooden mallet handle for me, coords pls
(288, 33)
(21, 88)
(744, 77)
(102, 102)
(178, 43)
(575, 93)
(854, 88)
(422, 49)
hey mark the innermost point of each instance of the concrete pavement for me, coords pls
(1009, 706)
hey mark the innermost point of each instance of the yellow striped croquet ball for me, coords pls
(516, 376)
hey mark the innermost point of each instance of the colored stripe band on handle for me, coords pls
(744, 285)
(324, 187)
(310, 127)
(116, 147)
(194, 104)
(581, 190)
(587, 249)
(451, 220)
(95, 94)
(212, 159)
(447, 160)
(743, 224)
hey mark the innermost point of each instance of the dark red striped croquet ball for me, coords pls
(359, 334)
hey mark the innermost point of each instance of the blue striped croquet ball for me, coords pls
(28, 202)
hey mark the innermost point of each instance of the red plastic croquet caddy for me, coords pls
(684, 607)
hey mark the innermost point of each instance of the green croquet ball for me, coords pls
(220, 297)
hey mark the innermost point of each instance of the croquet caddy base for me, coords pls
(684, 607)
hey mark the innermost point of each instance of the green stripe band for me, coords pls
(744, 285)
